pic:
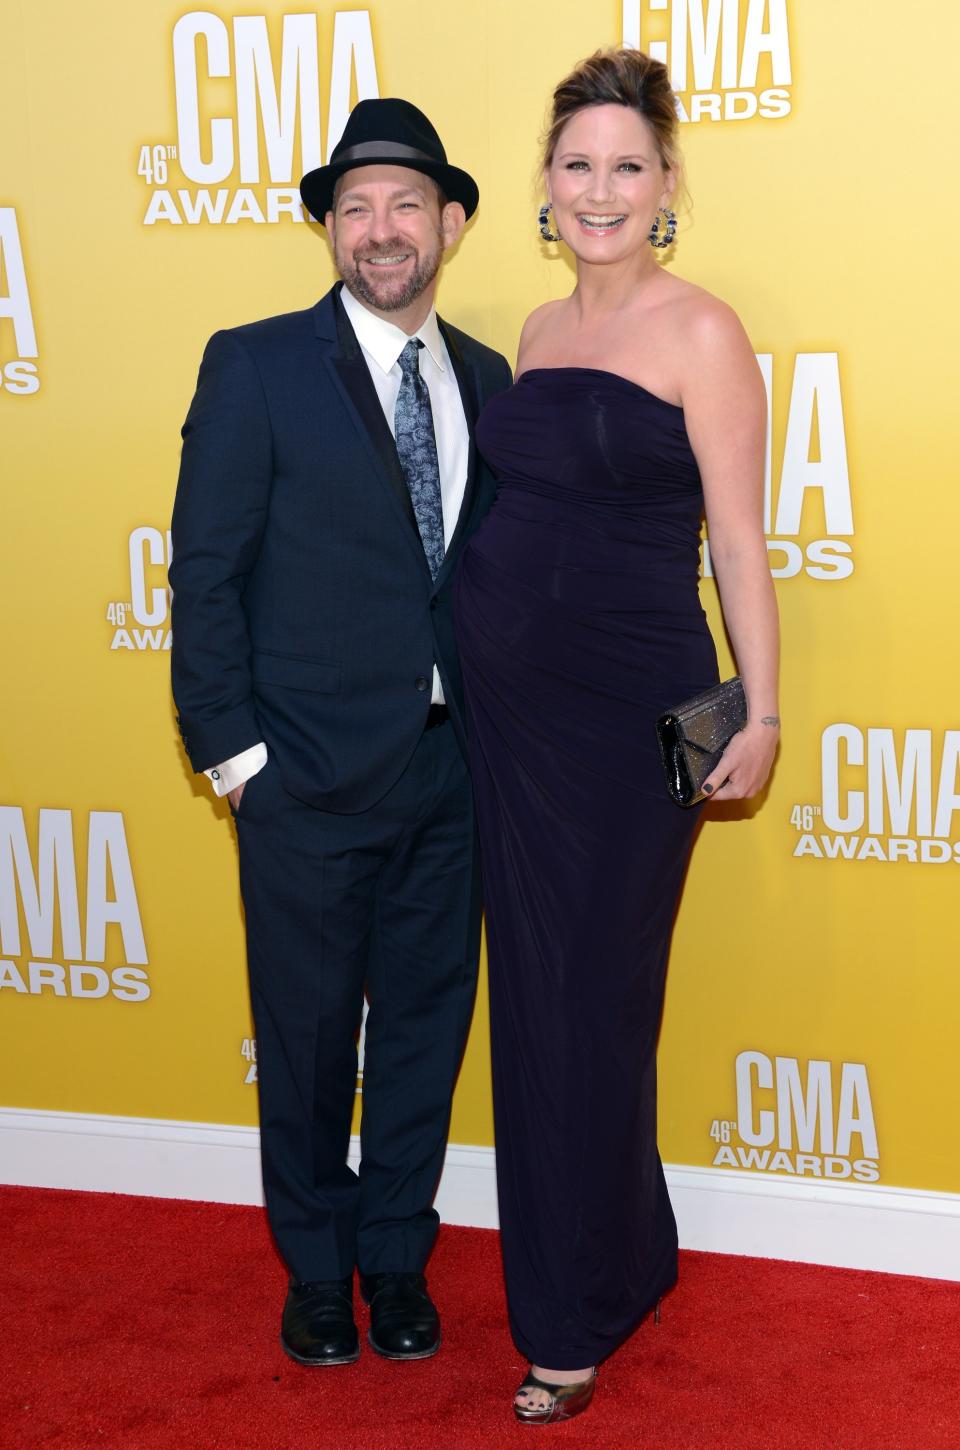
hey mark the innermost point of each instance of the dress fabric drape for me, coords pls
(579, 621)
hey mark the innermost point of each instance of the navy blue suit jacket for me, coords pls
(304, 614)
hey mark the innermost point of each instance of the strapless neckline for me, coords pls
(605, 373)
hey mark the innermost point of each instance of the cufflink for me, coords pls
(214, 775)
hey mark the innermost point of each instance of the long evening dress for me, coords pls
(579, 621)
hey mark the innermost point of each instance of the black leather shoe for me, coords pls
(317, 1326)
(404, 1323)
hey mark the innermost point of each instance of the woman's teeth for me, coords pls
(600, 223)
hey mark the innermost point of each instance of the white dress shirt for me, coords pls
(381, 343)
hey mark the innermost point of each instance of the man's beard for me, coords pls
(390, 295)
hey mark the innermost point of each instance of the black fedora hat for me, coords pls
(387, 132)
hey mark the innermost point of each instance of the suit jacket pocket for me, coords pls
(295, 672)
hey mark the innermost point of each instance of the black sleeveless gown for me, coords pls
(579, 621)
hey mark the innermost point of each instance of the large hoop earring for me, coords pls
(544, 223)
(661, 234)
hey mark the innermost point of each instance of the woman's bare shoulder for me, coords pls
(706, 321)
(543, 313)
(536, 326)
(715, 357)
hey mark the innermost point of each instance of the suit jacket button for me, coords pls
(421, 682)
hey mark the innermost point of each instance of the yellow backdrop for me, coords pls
(151, 156)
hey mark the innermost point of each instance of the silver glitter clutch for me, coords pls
(694, 735)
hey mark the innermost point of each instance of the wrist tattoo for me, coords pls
(770, 720)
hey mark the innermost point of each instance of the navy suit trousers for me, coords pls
(386, 901)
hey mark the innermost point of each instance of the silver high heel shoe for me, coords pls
(565, 1400)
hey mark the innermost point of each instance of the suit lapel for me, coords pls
(352, 379)
(468, 397)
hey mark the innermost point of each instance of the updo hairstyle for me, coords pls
(620, 77)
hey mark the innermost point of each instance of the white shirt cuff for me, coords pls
(238, 769)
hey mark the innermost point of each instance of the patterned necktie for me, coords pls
(417, 447)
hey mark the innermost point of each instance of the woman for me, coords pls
(638, 401)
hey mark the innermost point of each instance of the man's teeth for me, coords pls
(387, 261)
(606, 222)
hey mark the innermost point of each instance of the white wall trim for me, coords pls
(719, 1210)
(852, 1226)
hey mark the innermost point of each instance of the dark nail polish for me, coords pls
(708, 790)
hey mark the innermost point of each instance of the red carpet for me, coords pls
(144, 1322)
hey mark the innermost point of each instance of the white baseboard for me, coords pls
(214, 1162)
(852, 1226)
(863, 1226)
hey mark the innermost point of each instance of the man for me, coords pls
(328, 484)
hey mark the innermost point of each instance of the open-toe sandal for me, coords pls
(565, 1400)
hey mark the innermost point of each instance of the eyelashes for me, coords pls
(630, 167)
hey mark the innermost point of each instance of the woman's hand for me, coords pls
(745, 764)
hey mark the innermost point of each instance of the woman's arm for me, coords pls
(725, 410)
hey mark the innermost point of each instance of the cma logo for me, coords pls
(728, 60)
(45, 890)
(141, 621)
(273, 82)
(18, 373)
(811, 1121)
(813, 479)
(886, 796)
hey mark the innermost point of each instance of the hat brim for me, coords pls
(316, 188)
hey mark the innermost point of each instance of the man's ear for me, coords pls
(329, 223)
(453, 219)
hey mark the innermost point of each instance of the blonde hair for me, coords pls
(620, 77)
